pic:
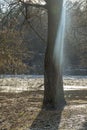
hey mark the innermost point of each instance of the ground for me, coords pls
(21, 105)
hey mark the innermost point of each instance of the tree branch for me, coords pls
(34, 5)
(36, 32)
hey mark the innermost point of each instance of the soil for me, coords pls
(21, 105)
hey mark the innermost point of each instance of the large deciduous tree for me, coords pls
(53, 93)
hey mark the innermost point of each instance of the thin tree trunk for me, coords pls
(53, 83)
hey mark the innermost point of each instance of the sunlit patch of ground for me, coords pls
(22, 110)
(20, 83)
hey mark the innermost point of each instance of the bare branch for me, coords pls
(34, 5)
(28, 22)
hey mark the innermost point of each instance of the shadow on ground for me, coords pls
(47, 120)
(85, 125)
(50, 120)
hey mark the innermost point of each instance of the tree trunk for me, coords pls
(53, 83)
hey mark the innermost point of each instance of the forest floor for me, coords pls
(21, 100)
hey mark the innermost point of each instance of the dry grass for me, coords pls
(23, 111)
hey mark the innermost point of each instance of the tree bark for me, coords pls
(53, 82)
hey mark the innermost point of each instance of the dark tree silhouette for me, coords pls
(53, 93)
